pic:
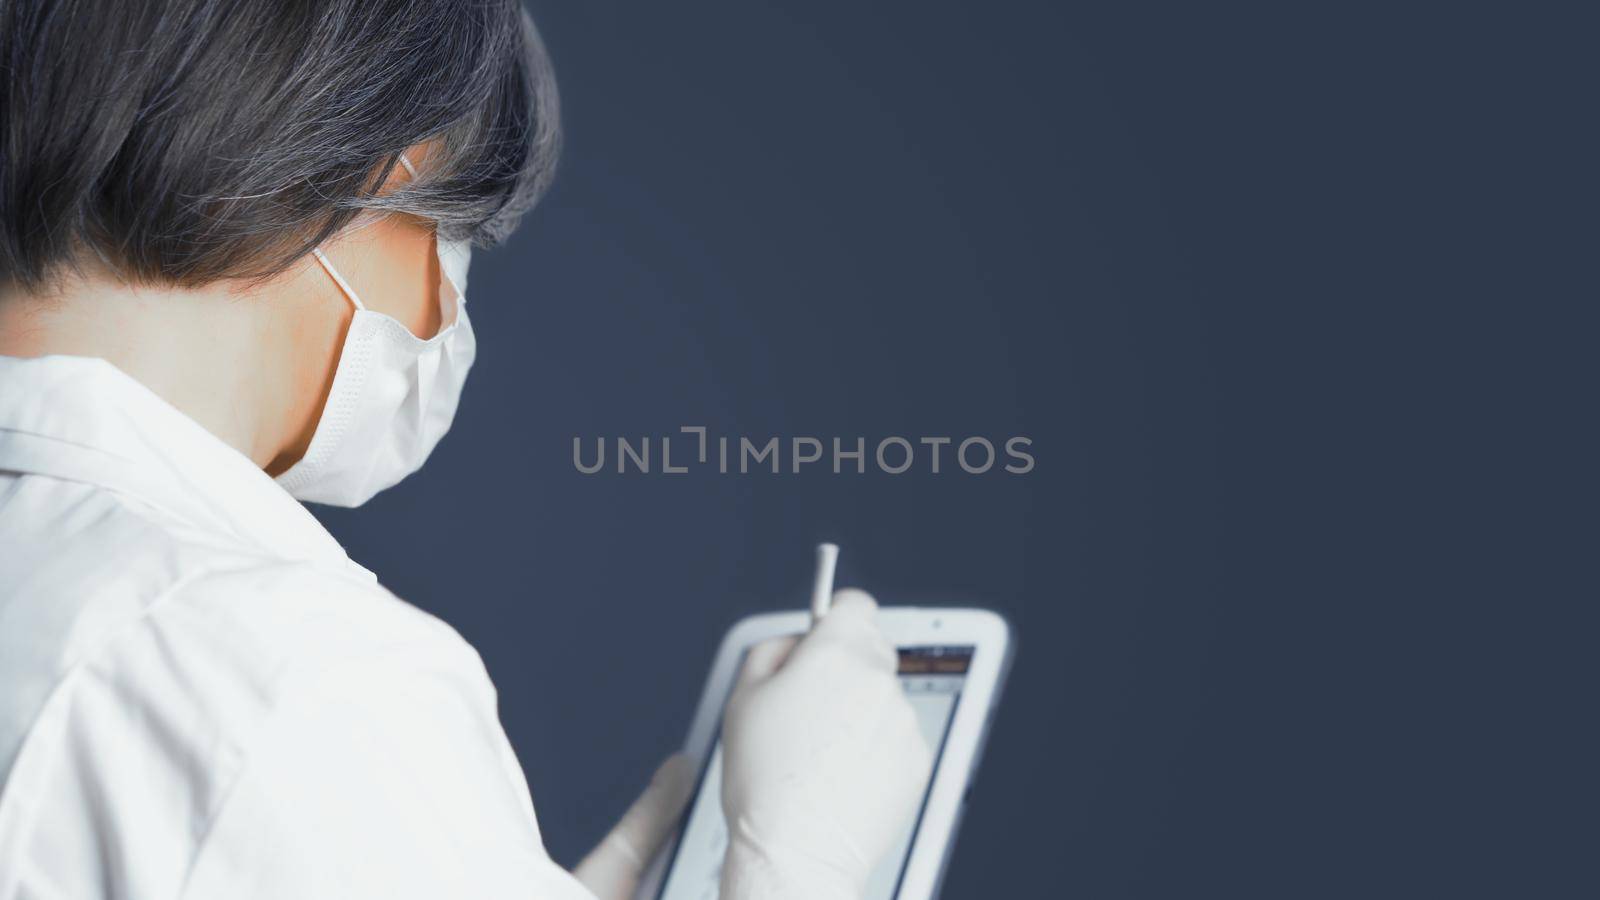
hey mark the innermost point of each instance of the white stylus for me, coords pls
(822, 591)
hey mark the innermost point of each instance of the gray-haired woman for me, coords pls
(233, 239)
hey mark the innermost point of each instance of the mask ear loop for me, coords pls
(338, 279)
(333, 273)
(461, 298)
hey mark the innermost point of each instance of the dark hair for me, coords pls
(185, 141)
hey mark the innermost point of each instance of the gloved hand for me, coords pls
(823, 762)
(612, 870)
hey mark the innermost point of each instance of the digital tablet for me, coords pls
(953, 663)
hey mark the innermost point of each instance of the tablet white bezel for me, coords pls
(906, 626)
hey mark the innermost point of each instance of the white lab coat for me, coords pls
(201, 696)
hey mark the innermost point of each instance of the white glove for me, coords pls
(612, 870)
(823, 762)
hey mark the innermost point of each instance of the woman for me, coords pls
(234, 244)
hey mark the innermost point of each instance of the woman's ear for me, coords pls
(412, 162)
(409, 165)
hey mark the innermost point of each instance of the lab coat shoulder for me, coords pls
(91, 574)
(100, 590)
(184, 706)
(277, 626)
(381, 769)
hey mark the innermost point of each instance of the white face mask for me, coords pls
(393, 397)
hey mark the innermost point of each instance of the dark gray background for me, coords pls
(1218, 263)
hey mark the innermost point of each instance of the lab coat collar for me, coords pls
(83, 419)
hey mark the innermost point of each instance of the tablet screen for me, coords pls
(932, 677)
